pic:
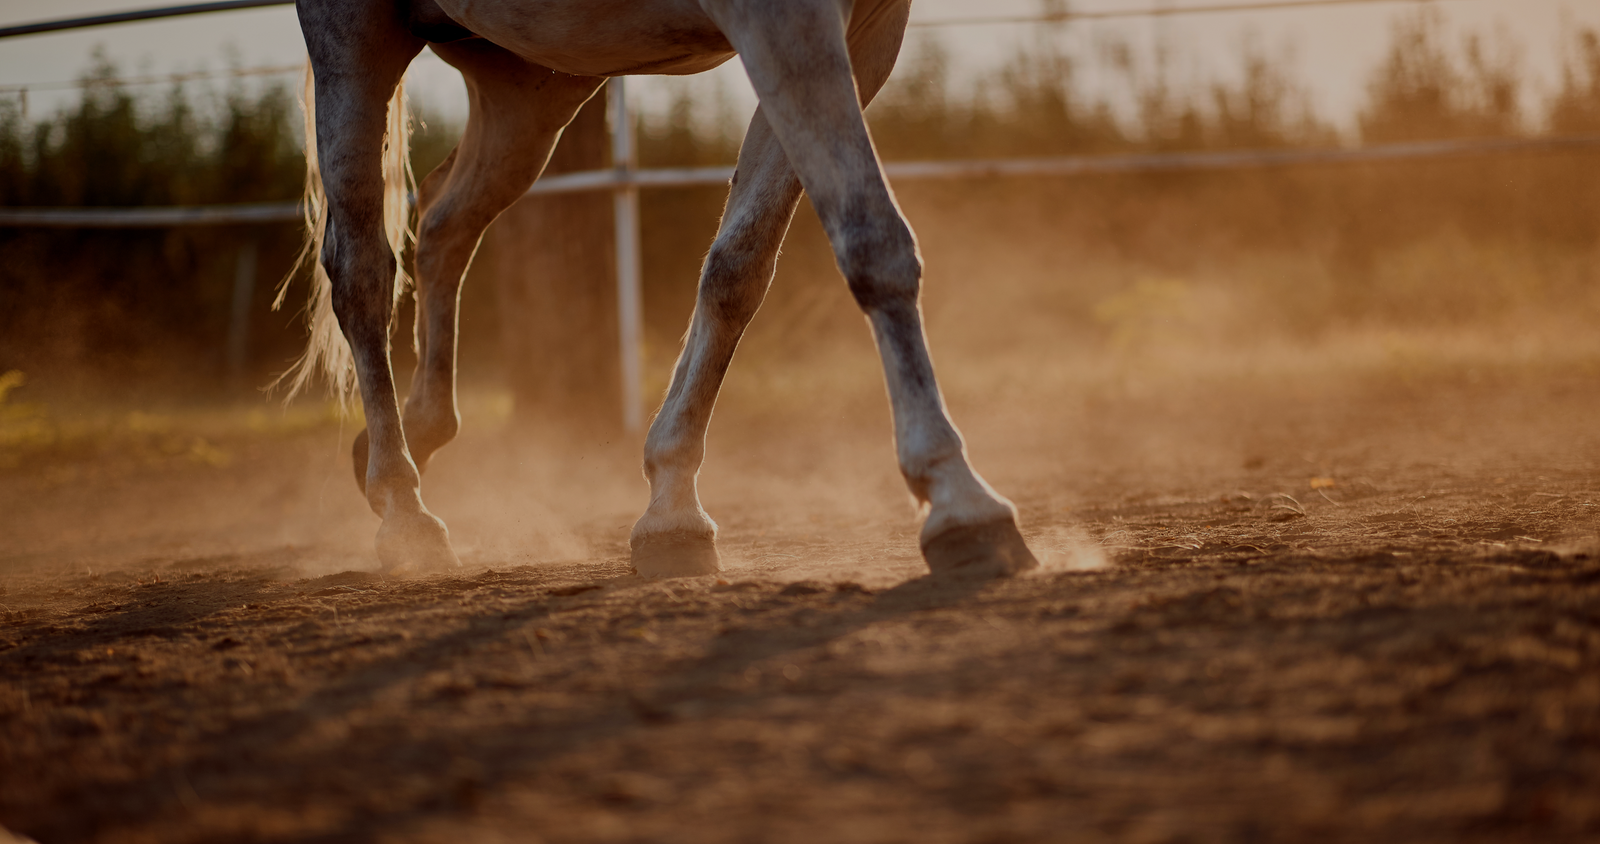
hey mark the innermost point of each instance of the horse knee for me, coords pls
(880, 262)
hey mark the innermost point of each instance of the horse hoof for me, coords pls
(675, 555)
(415, 543)
(989, 550)
(358, 456)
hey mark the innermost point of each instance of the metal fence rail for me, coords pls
(679, 177)
(625, 182)
(149, 218)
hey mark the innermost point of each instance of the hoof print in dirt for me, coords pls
(988, 550)
(675, 555)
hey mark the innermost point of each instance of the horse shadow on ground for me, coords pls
(437, 767)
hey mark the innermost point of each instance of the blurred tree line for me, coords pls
(141, 307)
(138, 308)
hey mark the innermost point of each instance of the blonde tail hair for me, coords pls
(327, 351)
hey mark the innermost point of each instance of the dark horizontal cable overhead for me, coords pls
(232, 5)
(1161, 12)
(136, 15)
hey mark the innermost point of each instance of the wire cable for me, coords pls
(135, 15)
(229, 5)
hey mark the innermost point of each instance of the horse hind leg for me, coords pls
(358, 55)
(425, 432)
(675, 537)
(423, 438)
(516, 113)
(807, 91)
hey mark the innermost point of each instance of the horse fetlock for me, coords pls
(671, 464)
(936, 470)
(931, 452)
(428, 427)
(662, 520)
(385, 492)
(395, 493)
(957, 496)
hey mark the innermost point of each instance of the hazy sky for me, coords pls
(1335, 48)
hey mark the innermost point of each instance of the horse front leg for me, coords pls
(803, 67)
(356, 70)
(675, 537)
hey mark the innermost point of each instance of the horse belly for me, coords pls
(599, 37)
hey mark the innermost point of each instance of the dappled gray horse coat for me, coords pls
(529, 65)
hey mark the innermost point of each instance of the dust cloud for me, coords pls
(1307, 454)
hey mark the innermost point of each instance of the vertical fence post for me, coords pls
(629, 306)
(244, 291)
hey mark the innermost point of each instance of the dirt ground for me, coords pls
(1360, 603)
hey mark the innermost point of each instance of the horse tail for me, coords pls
(327, 352)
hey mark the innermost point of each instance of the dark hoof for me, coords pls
(988, 550)
(675, 555)
(358, 456)
(416, 543)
